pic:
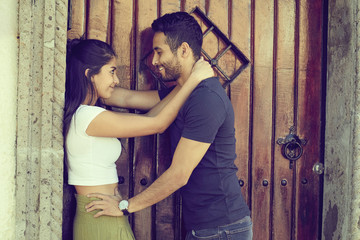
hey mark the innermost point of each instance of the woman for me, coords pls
(91, 131)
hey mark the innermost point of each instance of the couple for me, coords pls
(202, 137)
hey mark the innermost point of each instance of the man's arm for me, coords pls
(187, 156)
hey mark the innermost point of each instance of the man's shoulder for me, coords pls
(210, 88)
(206, 100)
(211, 82)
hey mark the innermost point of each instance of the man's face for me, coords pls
(164, 60)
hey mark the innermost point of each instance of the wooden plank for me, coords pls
(169, 6)
(262, 119)
(189, 5)
(78, 19)
(210, 40)
(240, 91)
(167, 222)
(284, 119)
(122, 42)
(98, 19)
(309, 121)
(166, 225)
(218, 12)
(144, 148)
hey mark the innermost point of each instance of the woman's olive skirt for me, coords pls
(104, 227)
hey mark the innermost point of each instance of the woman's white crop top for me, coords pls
(91, 159)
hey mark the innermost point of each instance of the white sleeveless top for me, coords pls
(91, 159)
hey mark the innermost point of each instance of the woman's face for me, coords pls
(105, 81)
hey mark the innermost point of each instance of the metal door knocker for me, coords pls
(292, 146)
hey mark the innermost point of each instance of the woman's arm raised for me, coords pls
(124, 125)
(133, 99)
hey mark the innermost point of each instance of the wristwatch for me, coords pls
(123, 206)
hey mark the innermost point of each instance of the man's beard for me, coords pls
(172, 70)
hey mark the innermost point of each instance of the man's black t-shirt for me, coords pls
(212, 196)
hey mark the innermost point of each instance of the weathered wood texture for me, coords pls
(282, 87)
(284, 65)
(308, 200)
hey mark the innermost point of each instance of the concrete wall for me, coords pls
(8, 83)
(342, 156)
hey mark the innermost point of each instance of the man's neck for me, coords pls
(185, 73)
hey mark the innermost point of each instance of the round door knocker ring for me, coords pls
(292, 150)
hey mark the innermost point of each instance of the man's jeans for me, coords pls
(239, 230)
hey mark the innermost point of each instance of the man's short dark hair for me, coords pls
(180, 27)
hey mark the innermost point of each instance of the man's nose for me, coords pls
(155, 60)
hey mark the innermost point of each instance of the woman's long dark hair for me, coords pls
(81, 55)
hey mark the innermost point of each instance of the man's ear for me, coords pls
(185, 50)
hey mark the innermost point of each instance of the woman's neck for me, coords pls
(90, 99)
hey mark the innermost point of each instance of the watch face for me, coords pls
(123, 204)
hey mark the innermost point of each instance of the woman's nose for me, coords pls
(116, 80)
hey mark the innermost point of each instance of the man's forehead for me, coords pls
(159, 41)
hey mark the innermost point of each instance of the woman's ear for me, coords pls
(87, 71)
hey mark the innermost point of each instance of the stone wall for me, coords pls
(41, 81)
(341, 206)
(355, 182)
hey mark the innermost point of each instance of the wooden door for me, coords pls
(282, 87)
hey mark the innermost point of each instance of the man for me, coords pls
(203, 143)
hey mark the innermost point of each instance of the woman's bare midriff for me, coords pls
(104, 189)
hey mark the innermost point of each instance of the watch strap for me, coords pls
(125, 212)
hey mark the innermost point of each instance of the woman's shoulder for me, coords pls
(89, 108)
(87, 112)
